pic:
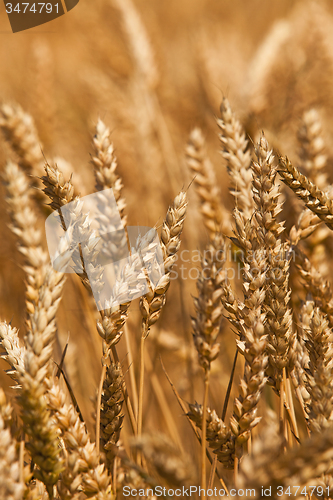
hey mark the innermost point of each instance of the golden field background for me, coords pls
(272, 59)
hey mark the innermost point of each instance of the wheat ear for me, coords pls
(33, 377)
(112, 220)
(42, 431)
(173, 466)
(313, 162)
(111, 412)
(113, 317)
(253, 338)
(278, 313)
(83, 470)
(207, 322)
(152, 303)
(315, 199)
(19, 129)
(319, 374)
(215, 217)
(105, 166)
(11, 488)
(319, 288)
(218, 434)
(312, 153)
(140, 46)
(238, 158)
(305, 463)
(24, 226)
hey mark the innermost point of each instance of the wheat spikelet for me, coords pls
(235, 152)
(232, 306)
(129, 285)
(61, 193)
(36, 491)
(6, 411)
(41, 330)
(13, 351)
(307, 223)
(301, 361)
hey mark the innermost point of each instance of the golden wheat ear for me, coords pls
(215, 216)
(313, 197)
(235, 151)
(19, 129)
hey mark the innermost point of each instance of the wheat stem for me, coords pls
(131, 370)
(98, 409)
(204, 429)
(141, 385)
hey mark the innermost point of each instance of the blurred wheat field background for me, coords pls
(171, 85)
